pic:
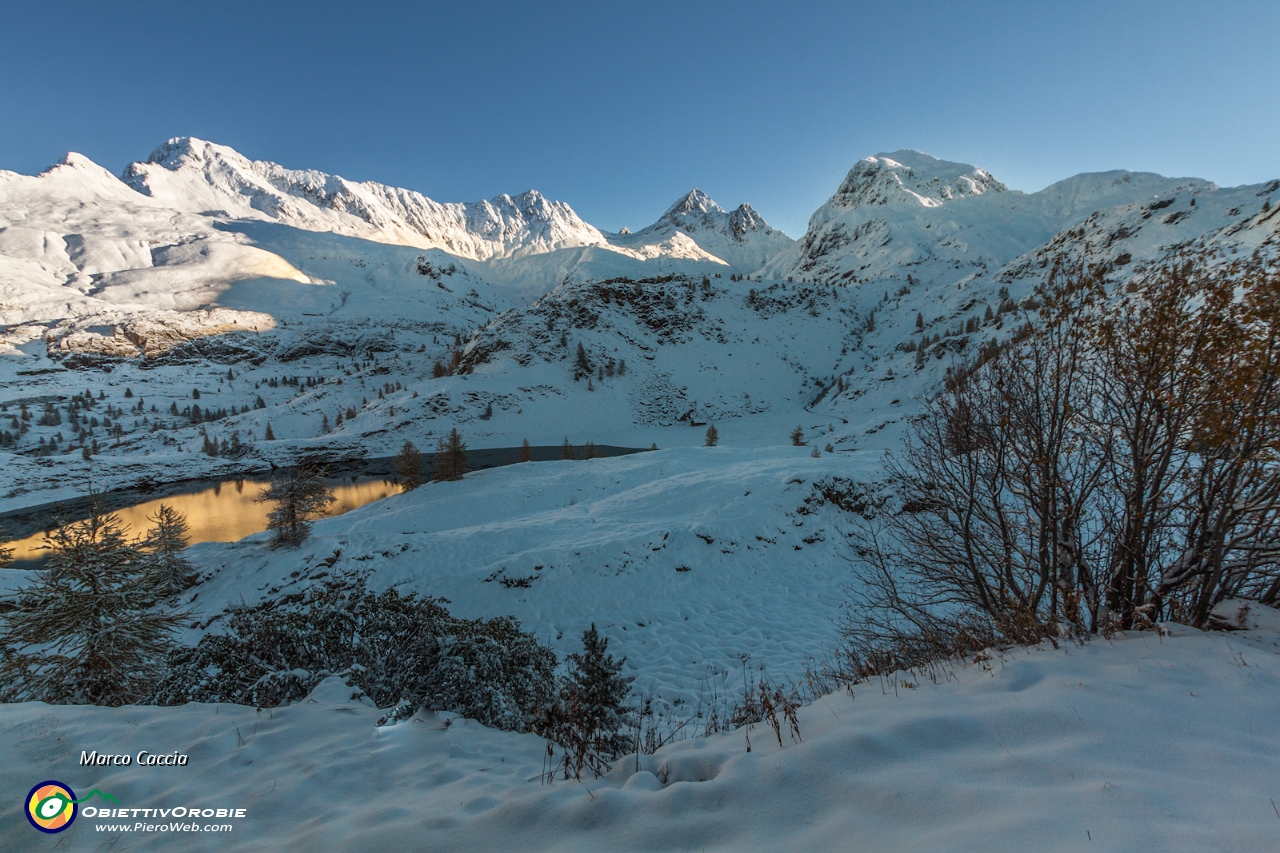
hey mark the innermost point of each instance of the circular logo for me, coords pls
(51, 806)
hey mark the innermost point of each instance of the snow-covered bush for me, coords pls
(389, 646)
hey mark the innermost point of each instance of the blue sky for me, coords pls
(620, 107)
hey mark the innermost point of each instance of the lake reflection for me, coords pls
(226, 512)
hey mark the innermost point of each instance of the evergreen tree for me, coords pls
(526, 451)
(920, 321)
(566, 450)
(6, 553)
(581, 364)
(268, 435)
(590, 715)
(89, 629)
(300, 495)
(451, 457)
(797, 436)
(166, 541)
(408, 464)
(589, 450)
(713, 436)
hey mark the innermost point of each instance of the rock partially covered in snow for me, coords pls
(1236, 614)
(152, 334)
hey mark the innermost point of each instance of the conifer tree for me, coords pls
(268, 435)
(797, 436)
(566, 450)
(526, 451)
(451, 457)
(89, 629)
(581, 364)
(713, 436)
(300, 495)
(589, 450)
(590, 715)
(408, 465)
(6, 553)
(166, 541)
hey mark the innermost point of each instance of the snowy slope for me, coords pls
(1139, 744)
(685, 559)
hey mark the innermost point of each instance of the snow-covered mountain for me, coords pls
(901, 274)
(197, 176)
(907, 213)
(740, 238)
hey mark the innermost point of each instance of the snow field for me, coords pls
(685, 559)
(1144, 743)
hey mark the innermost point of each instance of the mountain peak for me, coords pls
(693, 202)
(908, 176)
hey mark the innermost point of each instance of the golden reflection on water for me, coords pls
(224, 513)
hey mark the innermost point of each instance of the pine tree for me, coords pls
(299, 495)
(195, 393)
(268, 435)
(591, 713)
(170, 571)
(581, 364)
(797, 436)
(919, 321)
(451, 457)
(6, 553)
(408, 465)
(589, 450)
(566, 450)
(89, 629)
(526, 451)
(713, 436)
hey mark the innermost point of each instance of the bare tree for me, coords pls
(1113, 464)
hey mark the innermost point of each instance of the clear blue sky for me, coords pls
(620, 107)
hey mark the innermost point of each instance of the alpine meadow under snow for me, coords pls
(209, 316)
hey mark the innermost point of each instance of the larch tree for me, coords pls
(165, 542)
(299, 496)
(713, 436)
(451, 457)
(90, 629)
(408, 465)
(526, 451)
